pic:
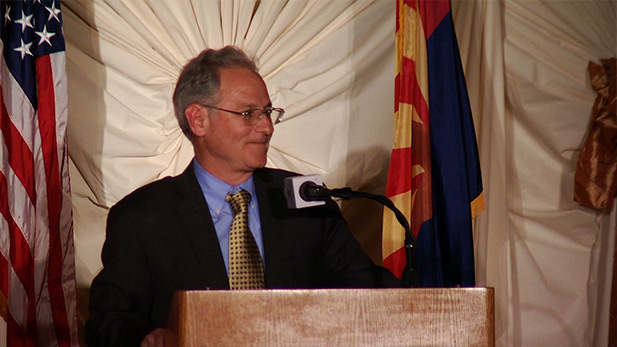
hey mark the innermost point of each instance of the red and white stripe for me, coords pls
(37, 271)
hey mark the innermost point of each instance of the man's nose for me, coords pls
(265, 125)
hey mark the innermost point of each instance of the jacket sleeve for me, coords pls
(345, 262)
(119, 295)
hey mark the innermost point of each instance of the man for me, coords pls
(174, 234)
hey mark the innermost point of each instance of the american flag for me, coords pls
(37, 264)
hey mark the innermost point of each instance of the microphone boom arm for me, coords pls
(410, 274)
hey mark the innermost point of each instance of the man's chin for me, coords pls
(258, 164)
(258, 160)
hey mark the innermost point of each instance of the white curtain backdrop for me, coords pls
(330, 64)
(548, 258)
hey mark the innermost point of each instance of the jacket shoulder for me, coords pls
(155, 193)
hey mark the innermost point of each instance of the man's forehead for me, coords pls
(244, 84)
(238, 71)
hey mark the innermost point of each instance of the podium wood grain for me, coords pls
(335, 317)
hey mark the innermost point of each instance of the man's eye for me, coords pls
(248, 114)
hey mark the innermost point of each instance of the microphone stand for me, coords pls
(410, 274)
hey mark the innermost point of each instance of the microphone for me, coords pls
(296, 195)
(307, 191)
(310, 191)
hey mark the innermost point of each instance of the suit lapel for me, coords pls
(197, 224)
(271, 204)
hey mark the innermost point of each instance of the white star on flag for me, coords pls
(24, 49)
(45, 36)
(53, 12)
(7, 18)
(25, 21)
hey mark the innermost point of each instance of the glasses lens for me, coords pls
(274, 114)
(253, 116)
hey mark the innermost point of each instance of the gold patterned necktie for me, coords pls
(245, 267)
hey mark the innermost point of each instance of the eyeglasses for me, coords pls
(252, 116)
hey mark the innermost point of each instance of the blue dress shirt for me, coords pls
(215, 191)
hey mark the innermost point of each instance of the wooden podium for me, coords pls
(334, 317)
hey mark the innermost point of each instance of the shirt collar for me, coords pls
(215, 190)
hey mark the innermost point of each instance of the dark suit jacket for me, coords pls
(161, 238)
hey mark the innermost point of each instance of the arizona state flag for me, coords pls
(434, 176)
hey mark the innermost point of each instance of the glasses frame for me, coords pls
(247, 115)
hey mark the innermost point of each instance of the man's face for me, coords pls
(233, 146)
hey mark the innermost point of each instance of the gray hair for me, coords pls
(199, 80)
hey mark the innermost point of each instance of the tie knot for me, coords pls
(239, 202)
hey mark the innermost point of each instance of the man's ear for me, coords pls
(197, 117)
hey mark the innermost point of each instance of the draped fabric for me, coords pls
(547, 257)
(330, 64)
(595, 180)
